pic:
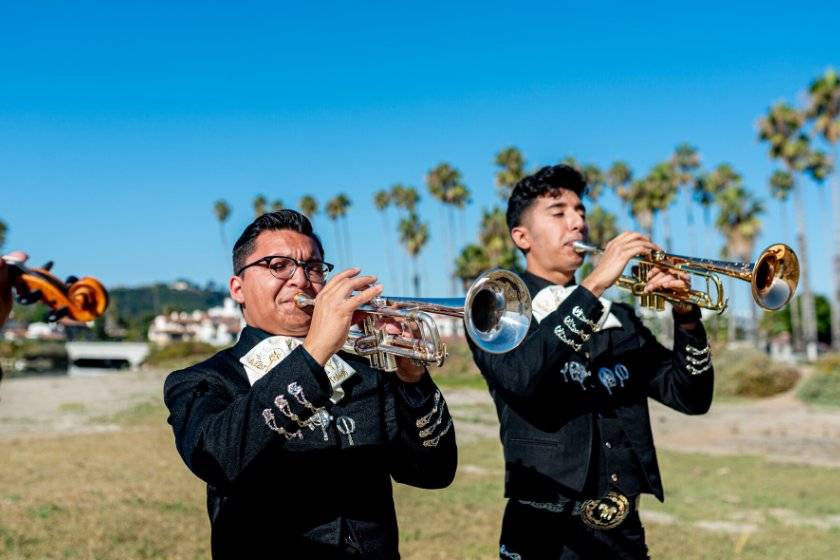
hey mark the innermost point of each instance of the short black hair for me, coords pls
(550, 180)
(271, 221)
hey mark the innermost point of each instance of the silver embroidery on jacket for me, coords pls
(697, 351)
(561, 334)
(569, 322)
(271, 422)
(435, 440)
(577, 311)
(425, 419)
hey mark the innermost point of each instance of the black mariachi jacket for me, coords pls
(287, 491)
(551, 392)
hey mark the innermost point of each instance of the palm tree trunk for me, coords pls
(338, 249)
(392, 275)
(809, 321)
(223, 236)
(795, 325)
(346, 235)
(416, 277)
(692, 238)
(732, 327)
(835, 307)
(452, 280)
(666, 230)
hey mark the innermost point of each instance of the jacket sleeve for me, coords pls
(422, 449)
(558, 339)
(218, 432)
(682, 379)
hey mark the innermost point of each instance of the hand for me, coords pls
(6, 283)
(614, 259)
(667, 279)
(333, 312)
(407, 370)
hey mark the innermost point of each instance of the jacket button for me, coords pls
(608, 445)
(614, 477)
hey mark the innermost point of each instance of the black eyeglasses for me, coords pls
(284, 268)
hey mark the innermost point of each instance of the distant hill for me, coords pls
(161, 298)
(130, 310)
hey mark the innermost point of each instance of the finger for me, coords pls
(365, 296)
(389, 325)
(346, 273)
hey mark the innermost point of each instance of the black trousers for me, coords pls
(530, 533)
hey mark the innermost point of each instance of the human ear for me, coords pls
(235, 288)
(521, 237)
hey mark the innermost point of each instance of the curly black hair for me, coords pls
(271, 221)
(548, 180)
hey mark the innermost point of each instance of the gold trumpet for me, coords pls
(774, 277)
(496, 312)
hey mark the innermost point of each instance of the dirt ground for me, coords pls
(780, 428)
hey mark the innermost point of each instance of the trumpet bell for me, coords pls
(775, 276)
(497, 311)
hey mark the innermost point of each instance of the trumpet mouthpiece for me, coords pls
(302, 300)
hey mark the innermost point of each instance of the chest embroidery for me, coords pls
(612, 378)
(576, 372)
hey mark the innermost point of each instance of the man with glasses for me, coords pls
(296, 440)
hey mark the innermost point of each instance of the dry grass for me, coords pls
(126, 494)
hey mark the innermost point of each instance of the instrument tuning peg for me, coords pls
(71, 280)
(48, 265)
(57, 314)
(28, 298)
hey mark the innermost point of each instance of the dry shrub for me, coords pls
(823, 387)
(749, 373)
(179, 354)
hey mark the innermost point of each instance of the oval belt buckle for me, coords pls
(605, 513)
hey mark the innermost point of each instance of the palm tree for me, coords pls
(738, 220)
(382, 200)
(686, 162)
(640, 201)
(512, 170)
(333, 211)
(413, 235)
(781, 185)
(618, 178)
(259, 204)
(222, 212)
(444, 183)
(781, 128)
(824, 111)
(595, 181)
(405, 198)
(308, 205)
(276, 205)
(663, 184)
(602, 225)
(3, 230)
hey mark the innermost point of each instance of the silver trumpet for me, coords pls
(496, 312)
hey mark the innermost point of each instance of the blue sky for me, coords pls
(121, 124)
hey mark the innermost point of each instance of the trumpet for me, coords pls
(773, 277)
(496, 312)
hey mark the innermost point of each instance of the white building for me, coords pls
(218, 326)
